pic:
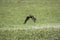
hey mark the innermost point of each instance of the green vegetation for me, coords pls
(45, 34)
(13, 13)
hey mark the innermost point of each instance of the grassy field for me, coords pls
(14, 12)
(44, 34)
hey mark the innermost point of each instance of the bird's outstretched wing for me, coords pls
(27, 18)
(34, 19)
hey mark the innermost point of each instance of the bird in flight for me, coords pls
(28, 17)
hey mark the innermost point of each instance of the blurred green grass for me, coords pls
(45, 34)
(13, 12)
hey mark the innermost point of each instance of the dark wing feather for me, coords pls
(27, 18)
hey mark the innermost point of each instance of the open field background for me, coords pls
(13, 13)
(44, 34)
